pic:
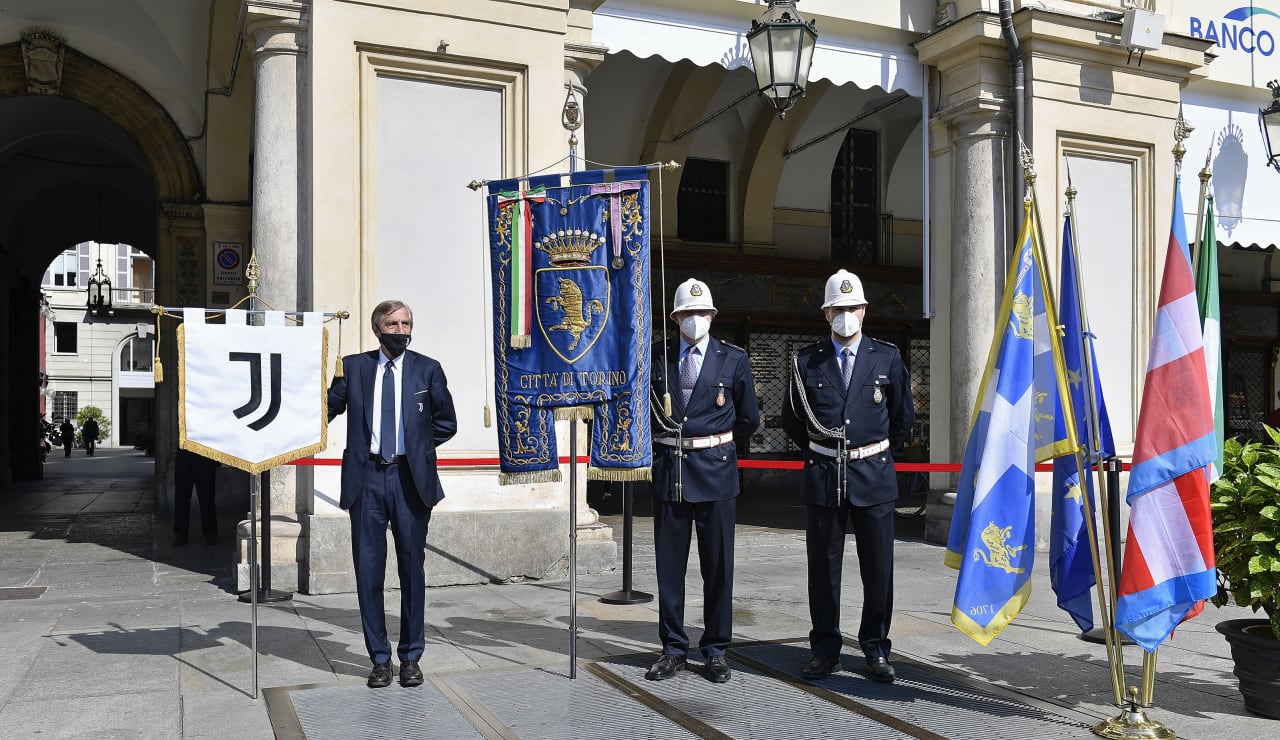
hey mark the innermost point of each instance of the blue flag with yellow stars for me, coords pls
(1070, 554)
(571, 305)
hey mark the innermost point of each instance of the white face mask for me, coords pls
(846, 324)
(695, 327)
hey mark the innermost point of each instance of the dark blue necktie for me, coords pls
(387, 435)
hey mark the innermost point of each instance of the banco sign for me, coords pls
(1250, 29)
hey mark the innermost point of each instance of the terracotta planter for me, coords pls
(1256, 653)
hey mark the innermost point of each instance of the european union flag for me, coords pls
(1070, 556)
(992, 539)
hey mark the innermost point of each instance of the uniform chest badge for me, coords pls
(720, 397)
(878, 397)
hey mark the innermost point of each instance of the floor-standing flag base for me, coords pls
(627, 595)
(1132, 723)
(266, 596)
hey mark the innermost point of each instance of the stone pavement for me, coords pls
(108, 632)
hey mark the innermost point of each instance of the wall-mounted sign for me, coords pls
(1245, 34)
(228, 263)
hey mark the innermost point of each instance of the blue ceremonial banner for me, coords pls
(1070, 556)
(992, 539)
(572, 320)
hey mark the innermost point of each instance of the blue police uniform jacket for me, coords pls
(426, 413)
(876, 406)
(723, 400)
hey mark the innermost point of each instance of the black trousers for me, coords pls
(673, 524)
(191, 470)
(824, 542)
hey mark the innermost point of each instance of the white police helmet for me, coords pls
(844, 289)
(693, 295)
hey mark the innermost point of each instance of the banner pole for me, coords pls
(253, 577)
(573, 549)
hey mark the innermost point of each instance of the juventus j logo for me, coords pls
(255, 384)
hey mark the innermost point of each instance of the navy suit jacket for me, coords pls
(709, 474)
(426, 411)
(877, 405)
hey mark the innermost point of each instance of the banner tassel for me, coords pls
(337, 364)
(488, 416)
(157, 375)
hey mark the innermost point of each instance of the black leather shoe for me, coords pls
(717, 669)
(380, 676)
(666, 667)
(179, 540)
(821, 667)
(410, 673)
(881, 669)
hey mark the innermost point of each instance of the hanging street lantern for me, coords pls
(100, 291)
(1269, 121)
(782, 46)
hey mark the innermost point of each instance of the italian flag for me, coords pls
(520, 314)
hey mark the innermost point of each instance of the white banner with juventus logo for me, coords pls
(253, 397)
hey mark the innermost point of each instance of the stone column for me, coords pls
(277, 32)
(978, 260)
(597, 551)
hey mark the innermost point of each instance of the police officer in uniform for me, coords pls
(695, 476)
(848, 405)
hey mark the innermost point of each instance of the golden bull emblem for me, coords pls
(1023, 321)
(999, 554)
(577, 313)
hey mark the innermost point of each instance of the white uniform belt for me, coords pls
(855, 453)
(696, 443)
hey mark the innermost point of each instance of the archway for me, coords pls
(90, 157)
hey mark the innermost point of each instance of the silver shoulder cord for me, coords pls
(817, 431)
(670, 426)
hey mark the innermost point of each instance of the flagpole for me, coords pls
(1197, 239)
(1107, 591)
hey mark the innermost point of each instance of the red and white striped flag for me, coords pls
(1169, 567)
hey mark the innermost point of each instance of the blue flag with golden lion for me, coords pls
(572, 324)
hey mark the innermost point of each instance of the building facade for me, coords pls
(335, 140)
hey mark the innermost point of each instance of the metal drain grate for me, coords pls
(539, 704)
(15, 593)
(352, 712)
(752, 705)
(932, 702)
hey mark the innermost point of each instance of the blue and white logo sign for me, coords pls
(1248, 29)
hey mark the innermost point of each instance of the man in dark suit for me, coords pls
(401, 411)
(848, 405)
(695, 476)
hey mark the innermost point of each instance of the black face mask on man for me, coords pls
(395, 344)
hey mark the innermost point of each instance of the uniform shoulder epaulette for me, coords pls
(809, 348)
(731, 345)
(890, 345)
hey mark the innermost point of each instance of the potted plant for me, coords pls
(1245, 505)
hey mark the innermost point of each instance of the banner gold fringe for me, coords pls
(620, 475)
(533, 476)
(575, 413)
(521, 341)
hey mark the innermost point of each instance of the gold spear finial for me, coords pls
(1181, 132)
(252, 272)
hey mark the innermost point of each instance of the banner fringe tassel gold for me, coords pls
(619, 475)
(575, 413)
(521, 341)
(533, 476)
(158, 375)
(337, 366)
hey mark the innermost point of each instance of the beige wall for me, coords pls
(514, 50)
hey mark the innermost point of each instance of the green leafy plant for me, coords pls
(92, 412)
(1245, 504)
